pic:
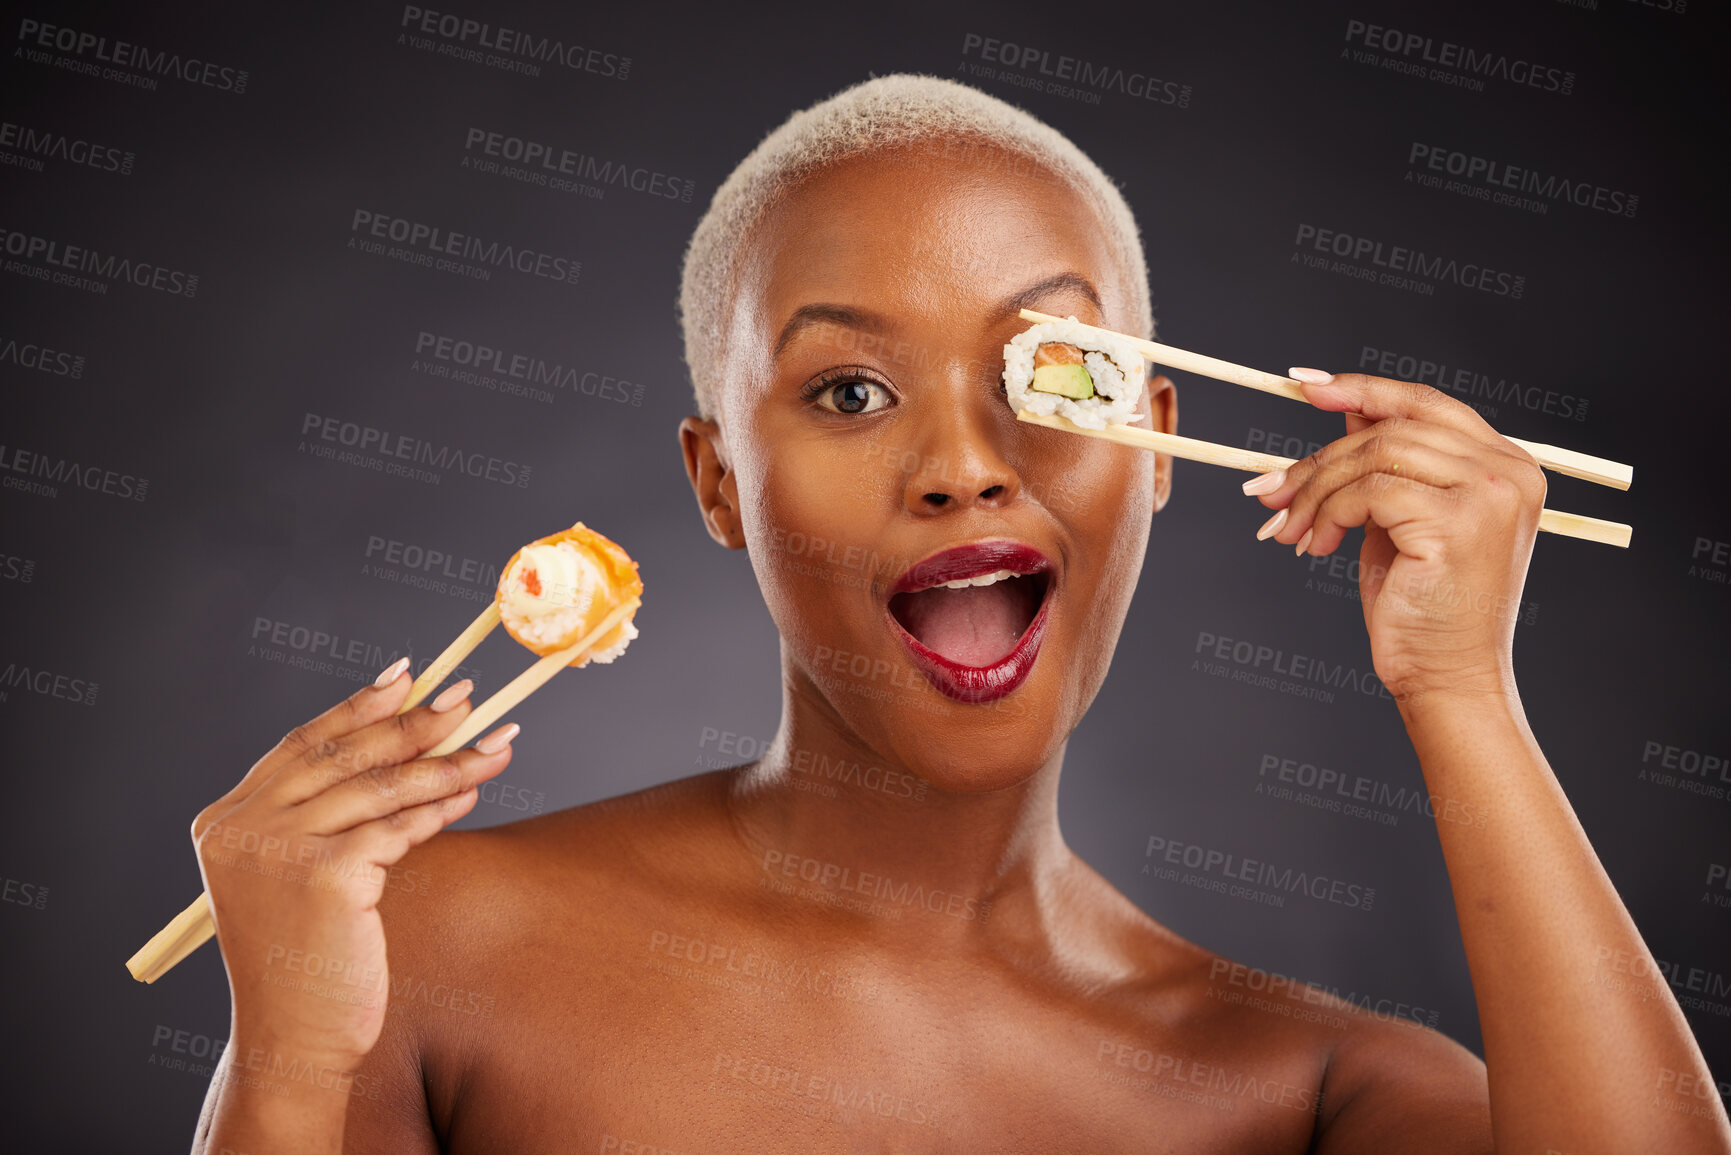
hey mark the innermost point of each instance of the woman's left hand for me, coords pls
(1450, 509)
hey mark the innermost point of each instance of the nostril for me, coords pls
(937, 498)
(991, 491)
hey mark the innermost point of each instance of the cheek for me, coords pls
(1107, 486)
(810, 526)
(1108, 507)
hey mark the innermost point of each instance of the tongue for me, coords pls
(974, 626)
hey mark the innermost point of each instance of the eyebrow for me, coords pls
(864, 320)
(846, 316)
(1061, 283)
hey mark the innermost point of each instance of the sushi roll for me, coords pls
(554, 591)
(1075, 371)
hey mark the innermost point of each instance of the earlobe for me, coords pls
(712, 482)
(1163, 405)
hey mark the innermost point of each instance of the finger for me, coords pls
(1414, 449)
(384, 841)
(1374, 464)
(388, 742)
(386, 789)
(1380, 398)
(364, 707)
(1399, 506)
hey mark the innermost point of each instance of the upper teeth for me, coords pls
(984, 579)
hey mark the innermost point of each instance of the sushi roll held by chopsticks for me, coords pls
(570, 598)
(1066, 375)
(1068, 369)
(556, 590)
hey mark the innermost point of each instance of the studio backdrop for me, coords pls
(310, 315)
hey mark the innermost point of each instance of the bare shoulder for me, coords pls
(1372, 1078)
(465, 894)
(478, 921)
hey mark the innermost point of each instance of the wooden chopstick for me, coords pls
(189, 929)
(1189, 448)
(527, 683)
(1585, 466)
(473, 635)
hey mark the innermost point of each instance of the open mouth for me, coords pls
(972, 617)
(972, 621)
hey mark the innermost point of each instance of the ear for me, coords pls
(712, 481)
(1163, 407)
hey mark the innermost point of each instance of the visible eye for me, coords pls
(849, 393)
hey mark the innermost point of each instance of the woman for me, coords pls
(786, 956)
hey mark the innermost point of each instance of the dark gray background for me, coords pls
(155, 601)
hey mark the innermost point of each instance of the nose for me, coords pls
(961, 461)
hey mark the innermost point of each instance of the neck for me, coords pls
(828, 817)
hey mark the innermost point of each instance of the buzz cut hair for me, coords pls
(885, 112)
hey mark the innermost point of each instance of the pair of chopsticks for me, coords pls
(189, 929)
(1567, 461)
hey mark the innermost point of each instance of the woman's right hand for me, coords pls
(297, 856)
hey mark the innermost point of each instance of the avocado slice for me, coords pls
(1065, 380)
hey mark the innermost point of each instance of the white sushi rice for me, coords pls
(1115, 364)
(569, 581)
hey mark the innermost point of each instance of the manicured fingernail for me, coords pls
(452, 696)
(1271, 526)
(1265, 482)
(1302, 542)
(1310, 376)
(498, 739)
(391, 673)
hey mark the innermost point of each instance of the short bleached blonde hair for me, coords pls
(884, 112)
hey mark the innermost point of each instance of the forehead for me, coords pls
(933, 232)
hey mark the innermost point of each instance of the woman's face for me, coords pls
(866, 454)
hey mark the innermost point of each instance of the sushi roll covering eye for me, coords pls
(1068, 369)
(554, 591)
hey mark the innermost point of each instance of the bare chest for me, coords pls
(659, 1042)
